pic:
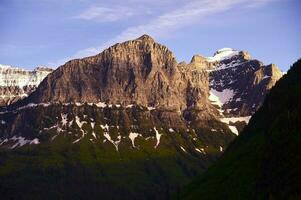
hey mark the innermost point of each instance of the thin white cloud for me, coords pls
(105, 14)
(258, 3)
(194, 12)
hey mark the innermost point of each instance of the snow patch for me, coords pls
(35, 141)
(105, 127)
(129, 106)
(21, 141)
(101, 105)
(183, 149)
(158, 136)
(222, 54)
(202, 150)
(115, 143)
(171, 130)
(132, 136)
(236, 119)
(221, 97)
(151, 108)
(64, 119)
(233, 129)
(92, 125)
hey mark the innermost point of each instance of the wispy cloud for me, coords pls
(105, 14)
(193, 12)
(258, 3)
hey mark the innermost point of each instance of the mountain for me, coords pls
(238, 85)
(241, 80)
(130, 121)
(17, 83)
(126, 122)
(263, 162)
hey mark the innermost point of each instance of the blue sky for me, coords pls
(51, 32)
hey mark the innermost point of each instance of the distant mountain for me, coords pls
(241, 81)
(17, 83)
(130, 121)
(264, 161)
(238, 84)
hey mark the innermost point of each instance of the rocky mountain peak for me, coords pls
(198, 59)
(226, 54)
(146, 38)
(245, 55)
(200, 62)
(225, 50)
(138, 71)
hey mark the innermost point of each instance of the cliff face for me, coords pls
(135, 72)
(17, 83)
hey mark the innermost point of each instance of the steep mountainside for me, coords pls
(128, 121)
(16, 83)
(264, 162)
(238, 84)
(240, 81)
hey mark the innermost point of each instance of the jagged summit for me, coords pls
(146, 37)
(200, 62)
(198, 58)
(228, 53)
(226, 49)
(223, 54)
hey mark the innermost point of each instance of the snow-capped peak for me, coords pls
(223, 54)
(226, 49)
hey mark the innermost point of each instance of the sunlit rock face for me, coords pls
(139, 71)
